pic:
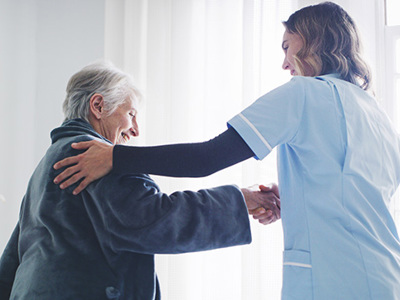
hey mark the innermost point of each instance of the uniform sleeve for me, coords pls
(273, 119)
(8, 265)
(136, 217)
(183, 160)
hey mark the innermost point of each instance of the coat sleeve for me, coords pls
(9, 263)
(132, 215)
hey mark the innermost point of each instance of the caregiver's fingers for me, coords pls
(73, 160)
(88, 166)
(272, 187)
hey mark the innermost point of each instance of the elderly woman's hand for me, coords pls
(263, 203)
(91, 165)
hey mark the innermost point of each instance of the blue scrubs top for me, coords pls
(338, 166)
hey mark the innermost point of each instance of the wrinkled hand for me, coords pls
(91, 165)
(263, 203)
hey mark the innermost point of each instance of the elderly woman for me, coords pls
(339, 162)
(100, 244)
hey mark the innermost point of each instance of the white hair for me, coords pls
(98, 78)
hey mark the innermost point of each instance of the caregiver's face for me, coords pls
(291, 45)
(121, 125)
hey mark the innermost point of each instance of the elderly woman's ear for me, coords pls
(97, 106)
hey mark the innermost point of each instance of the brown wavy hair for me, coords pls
(331, 43)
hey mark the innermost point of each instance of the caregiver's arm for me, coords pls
(184, 160)
(178, 160)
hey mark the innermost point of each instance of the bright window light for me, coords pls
(396, 106)
(392, 12)
(398, 56)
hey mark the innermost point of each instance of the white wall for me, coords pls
(43, 42)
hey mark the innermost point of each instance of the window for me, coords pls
(392, 12)
(392, 76)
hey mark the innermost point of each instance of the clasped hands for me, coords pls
(263, 203)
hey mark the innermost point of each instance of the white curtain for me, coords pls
(199, 63)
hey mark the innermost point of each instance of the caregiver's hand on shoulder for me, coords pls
(263, 203)
(91, 165)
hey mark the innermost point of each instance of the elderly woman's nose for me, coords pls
(135, 131)
(135, 128)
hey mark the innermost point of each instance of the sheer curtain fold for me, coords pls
(199, 62)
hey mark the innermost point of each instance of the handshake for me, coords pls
(263, 202)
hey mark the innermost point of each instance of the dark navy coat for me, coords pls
(101, 243)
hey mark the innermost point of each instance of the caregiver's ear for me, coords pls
(97, 105)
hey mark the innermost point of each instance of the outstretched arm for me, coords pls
(135, 216)
(178, 160)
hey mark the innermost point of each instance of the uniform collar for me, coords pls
(331, 75)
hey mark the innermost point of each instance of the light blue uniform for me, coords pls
(339, 166)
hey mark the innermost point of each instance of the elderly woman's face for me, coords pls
(291, 45)
(121, 125)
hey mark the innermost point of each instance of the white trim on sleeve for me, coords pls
(256, 131)
(297, 265)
